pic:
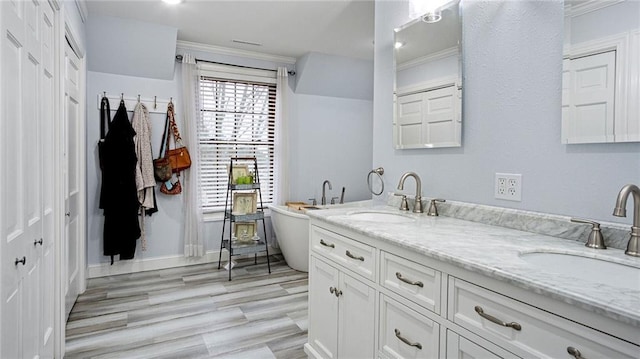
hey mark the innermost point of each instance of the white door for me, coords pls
(73, 243)
(26, 212)
(323, 308)
(589, 114)
(356, 319)
(440, 118)
(409, 119)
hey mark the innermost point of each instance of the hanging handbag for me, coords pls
(179, 156)
(176, 188)
(162, 165)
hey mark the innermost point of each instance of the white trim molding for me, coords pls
(194, 46)
(82, 10)
(452, 51)
(574, 10)
(155, 263)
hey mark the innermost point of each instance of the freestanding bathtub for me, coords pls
(292, 231)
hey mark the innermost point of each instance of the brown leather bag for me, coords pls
(179, 156)
(176, 189)
(162, 165)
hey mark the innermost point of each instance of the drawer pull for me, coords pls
(335, 291)
(327, 245)
(354, 257)
(407, 341)
(418, 283)
(574, 352)
(491, 318)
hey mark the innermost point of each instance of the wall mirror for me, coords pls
(600, 71)
(428, 80)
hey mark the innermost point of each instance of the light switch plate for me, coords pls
(508, 186)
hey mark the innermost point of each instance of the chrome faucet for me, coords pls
(323, 201)
(633, 248)
(417, 207)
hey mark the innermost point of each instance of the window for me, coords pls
(237, 120)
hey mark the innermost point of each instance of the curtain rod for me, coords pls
(179, 59)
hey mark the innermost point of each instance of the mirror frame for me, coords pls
(450, 86)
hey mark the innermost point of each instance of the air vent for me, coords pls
(246, 42)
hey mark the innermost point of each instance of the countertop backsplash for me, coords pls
(616, 235)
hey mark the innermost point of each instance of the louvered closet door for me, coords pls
(26, 87)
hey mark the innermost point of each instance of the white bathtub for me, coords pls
(292, 232)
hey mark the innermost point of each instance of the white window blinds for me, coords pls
(237, 120)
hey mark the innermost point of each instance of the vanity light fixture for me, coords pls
(172, 2)
(398, 44)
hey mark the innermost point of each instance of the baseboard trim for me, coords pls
(155, 263)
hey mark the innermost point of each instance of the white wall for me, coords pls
(511, 117)
(429, 71)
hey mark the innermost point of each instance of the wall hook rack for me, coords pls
(153, 104)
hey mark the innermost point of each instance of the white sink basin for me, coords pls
(379, 216)
(586, 269)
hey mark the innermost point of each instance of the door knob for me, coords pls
(37, 241)
(68, 214)
(23, 261)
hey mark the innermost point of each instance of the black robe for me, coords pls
(119, 196)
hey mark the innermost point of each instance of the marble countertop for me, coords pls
(496, 252)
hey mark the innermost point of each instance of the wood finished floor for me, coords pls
(193, 312)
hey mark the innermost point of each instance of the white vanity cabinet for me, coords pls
(391, 302)
(530, 331)
(341, 305)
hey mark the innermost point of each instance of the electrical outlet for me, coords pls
(508, 186)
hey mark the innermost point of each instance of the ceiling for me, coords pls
(285, 28)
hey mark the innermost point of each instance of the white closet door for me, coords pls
(22, 216)
(590, 114)
(73, 250)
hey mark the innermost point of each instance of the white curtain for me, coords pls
(193, 234)
(281, 194)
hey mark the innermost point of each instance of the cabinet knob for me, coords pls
(360, 258)
(23, 261)
(335, 291)
(37, 241)
(407, 341)
(330, 245)
(68, 214)
(574, 352)
(400, 277)
(493, 319)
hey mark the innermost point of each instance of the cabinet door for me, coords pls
(404, 333)
(356, 318)
(461, 348)
(323, 308)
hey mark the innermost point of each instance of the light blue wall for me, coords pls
(129, 47)
(511, 117)
(334, 76)
(330, 138)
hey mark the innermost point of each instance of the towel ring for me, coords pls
(378, 171)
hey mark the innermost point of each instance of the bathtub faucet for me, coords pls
(324, 197)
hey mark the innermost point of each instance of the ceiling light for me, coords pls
(431, 17)
(172, 2)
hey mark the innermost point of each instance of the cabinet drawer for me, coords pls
(353, 255)
(532, 332)
(404, 333)
(411, 280)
